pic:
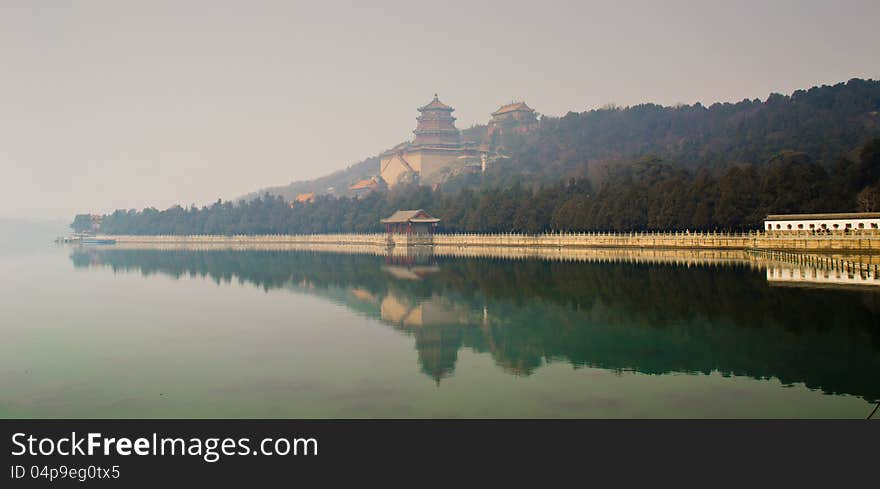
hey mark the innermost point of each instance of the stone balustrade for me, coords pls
(865, 242)
(862, 243)
(376, 239)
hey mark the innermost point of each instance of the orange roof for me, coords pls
(368, 183)
(513, 108)
(309, 197)
(436, 104)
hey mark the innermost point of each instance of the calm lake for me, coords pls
(106, 331)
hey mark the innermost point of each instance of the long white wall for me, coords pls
(809, 225)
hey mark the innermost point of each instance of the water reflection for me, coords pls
(618, 315)
(782, 274)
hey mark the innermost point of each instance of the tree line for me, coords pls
(647, 194)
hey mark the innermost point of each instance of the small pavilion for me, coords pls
(410, 223)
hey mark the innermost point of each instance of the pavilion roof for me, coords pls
(416, 215)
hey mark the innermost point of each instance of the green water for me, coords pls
(108, 332)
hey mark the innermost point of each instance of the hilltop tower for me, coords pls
(436, 152)
(436, 126)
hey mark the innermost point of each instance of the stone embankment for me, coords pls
(862, 243)
(851, 243)
(340, 239)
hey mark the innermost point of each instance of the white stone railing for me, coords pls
(341, 239)
(868, 242)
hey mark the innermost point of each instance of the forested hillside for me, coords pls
(640, 168)
(649, 194)
(822, 122)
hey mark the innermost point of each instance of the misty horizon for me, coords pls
(113, 106)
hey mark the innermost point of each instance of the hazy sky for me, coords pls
(123, 104)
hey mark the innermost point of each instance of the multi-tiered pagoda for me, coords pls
(436, 150)
(436, 126)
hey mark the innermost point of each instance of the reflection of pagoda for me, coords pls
(437, 326)
(438, 349)
(437, 147)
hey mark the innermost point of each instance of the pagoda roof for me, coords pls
(436, 104)
(513, 107)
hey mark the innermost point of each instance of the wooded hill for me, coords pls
(823, 122)
(650, 194)
(646, 167)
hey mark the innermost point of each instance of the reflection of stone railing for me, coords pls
(786, 274)
(601, 255)
(843, 267)
(370, 244)
(849, 258)
(675, 240)
(863, 243)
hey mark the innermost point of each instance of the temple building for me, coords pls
(436, 151)
(515, 117)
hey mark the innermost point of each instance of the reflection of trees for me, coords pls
(652, 319)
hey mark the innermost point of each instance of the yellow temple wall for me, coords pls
(424, 162)
(431, 162)
(392, 167)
